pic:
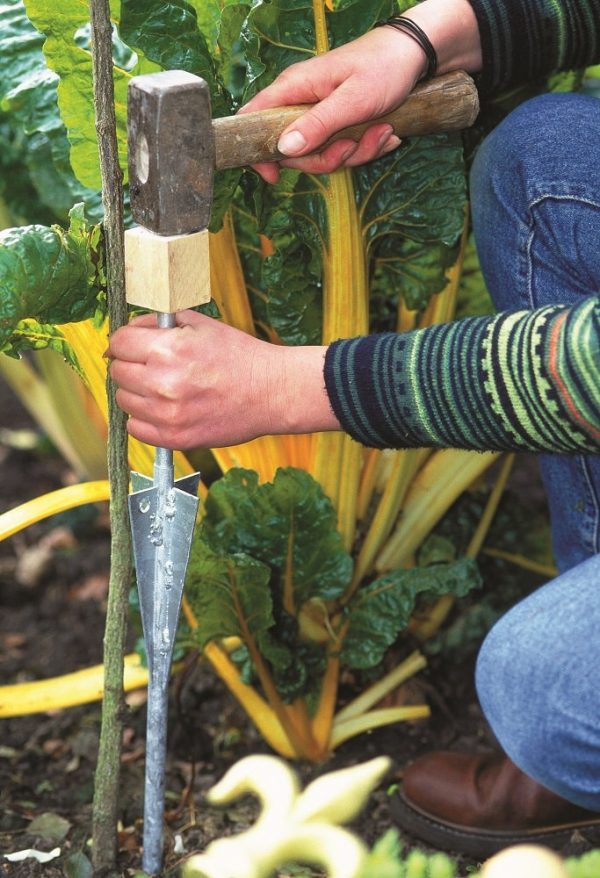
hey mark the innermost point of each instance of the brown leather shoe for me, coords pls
(479, 804)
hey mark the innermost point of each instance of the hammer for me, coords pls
(174, 149)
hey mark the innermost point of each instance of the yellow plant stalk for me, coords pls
(411, 665)
(259, 711)
(435, 617)
(405, 464)
(72, 401)
(338, 459)
(36, 396)
(373, 719)
(444, 477)
(51, 504)
(228, 285)
(548, 570)
(70, 690)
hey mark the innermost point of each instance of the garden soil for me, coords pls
(53, 586)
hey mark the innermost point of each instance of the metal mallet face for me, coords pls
(172, 152)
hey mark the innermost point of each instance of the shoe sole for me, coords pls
(481, 843)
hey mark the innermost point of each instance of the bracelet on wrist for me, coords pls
(412, 29)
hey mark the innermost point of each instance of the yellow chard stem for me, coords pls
(366, 722)
(323, 718)
(411, 665)
(259, 711)
(35, 395)
(444, 477)
(70, 690)
(296, 729)
(491, 507)
(78, 411)
(438, 612)
(368, 479)
(51, 504)
(548, 570)
(227, 281)
(404, 466)
(337, 460)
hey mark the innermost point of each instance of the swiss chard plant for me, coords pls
(306, 559)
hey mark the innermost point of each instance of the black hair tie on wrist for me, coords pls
(418, 34)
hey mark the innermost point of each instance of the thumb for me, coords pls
(343, 107)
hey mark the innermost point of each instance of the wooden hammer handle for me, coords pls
(445, 103)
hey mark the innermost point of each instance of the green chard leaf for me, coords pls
(292, 216)
(289, 524)
(412, 206)
(28, 93)
(29, 335)
(66, 27)
(47, 274)
(260, 553)
(382, 609)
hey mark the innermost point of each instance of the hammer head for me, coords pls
(171, 152)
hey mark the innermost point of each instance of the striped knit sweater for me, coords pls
(522, 40)
(526, 380)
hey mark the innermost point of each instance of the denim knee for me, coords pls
(536, 681)
(538, 161)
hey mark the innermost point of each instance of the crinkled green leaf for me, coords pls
(382, 609)
(289, 524)
(412, 212)
(275, 35)
(28, 90)
(229, 595)
(29, 335)
(16, 187)
(293, 216)
(168, 34)
(47, 274)
(264, 540)
(230, 58)
(350, 20)
(62, 21)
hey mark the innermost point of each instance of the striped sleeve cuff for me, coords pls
(516, 381)
(525, 40)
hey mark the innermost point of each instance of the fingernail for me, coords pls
(392, 143)
(291, 143)
(385, 137)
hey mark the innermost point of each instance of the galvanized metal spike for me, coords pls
(162, 514)
(162, 523)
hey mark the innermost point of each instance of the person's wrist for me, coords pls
(398, 48)
(452, 29)
(300, 400)
(405, 25)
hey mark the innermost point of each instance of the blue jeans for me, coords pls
(535, 192)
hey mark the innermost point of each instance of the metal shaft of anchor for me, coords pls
(159, 665)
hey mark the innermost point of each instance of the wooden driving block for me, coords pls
(166, 272)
